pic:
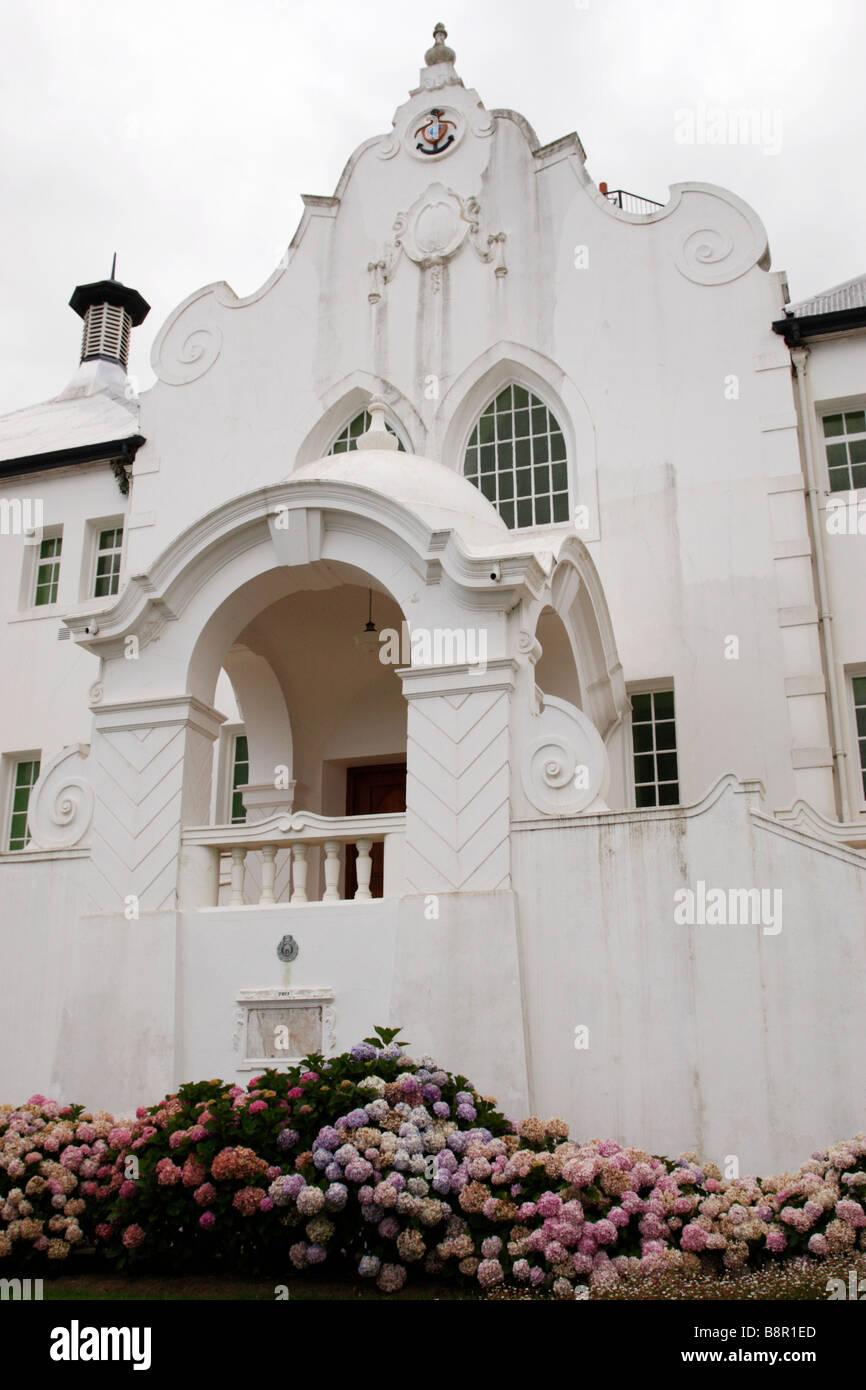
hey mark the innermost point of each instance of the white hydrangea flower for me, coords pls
(376, 1084)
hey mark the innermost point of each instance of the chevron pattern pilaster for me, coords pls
(150, 769)
(457, 789)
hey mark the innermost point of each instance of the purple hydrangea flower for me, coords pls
(466, 1112)
(356, 1118)
(287, 1138)
(431, 1093)
(364, 1052)
(321, 1159)
(441, 1109)
(333, 1172)
(316, 1254)
(327, 1138)
(336, 1196)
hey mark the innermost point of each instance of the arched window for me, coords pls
(516, 457)
(348, 438)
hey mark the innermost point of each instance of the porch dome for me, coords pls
(439, 496)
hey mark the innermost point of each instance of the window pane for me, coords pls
(521, 396)
(559, 477)
(859, 684)
(663, 701)
(667, 766)
(523, 453)
(669, 794)
(524, 482)
(645, 796)
(521, 424)
(855, 422)
(643, 738)
(524, 513)
(666, 734)
(506, 511)
(560, 506)
(486, 429)
(832, 425)
(858, 475)
(641, 707)
(542, 511)
(644, 768)
(857, 450)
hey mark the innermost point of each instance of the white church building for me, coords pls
(466, 632)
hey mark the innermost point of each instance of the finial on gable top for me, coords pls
(440, 52)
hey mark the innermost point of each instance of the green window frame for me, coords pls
(47, 571)
(654, 739)
(23, 782)
(347, 439)
(845, 445)
(859, 688)
(240, 778)
(109, 546)
(517, 458)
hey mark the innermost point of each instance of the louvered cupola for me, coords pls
(110, 311)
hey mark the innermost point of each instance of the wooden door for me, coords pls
(372, 790)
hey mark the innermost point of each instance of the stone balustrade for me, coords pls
(204, 846)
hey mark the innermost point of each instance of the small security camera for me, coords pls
(496, 573)
(91, 630)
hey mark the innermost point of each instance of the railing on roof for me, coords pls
(630, 202)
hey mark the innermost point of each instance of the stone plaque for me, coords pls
(283, 1031)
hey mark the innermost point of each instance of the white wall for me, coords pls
(724, 1039)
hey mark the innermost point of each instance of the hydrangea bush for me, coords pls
(396, 1166)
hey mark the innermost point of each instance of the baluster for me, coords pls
(239, 855)
(299, 873)
(332, 871)
(363, 868)
(269, 873)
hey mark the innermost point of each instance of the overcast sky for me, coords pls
(180, 133)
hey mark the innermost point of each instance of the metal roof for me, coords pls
(850, 295)
(96, 408)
